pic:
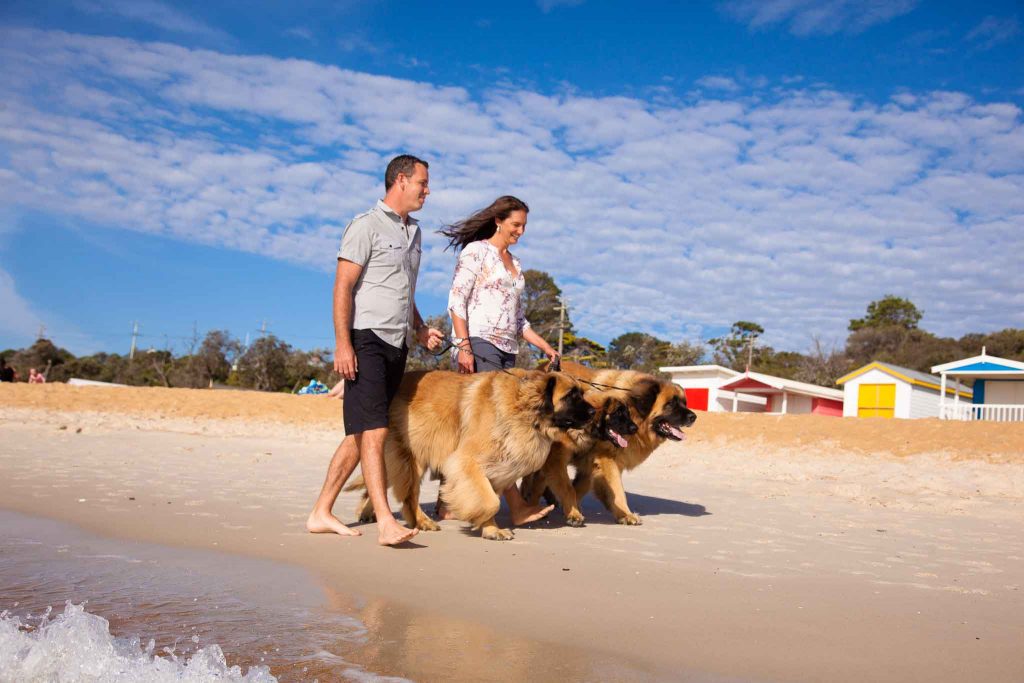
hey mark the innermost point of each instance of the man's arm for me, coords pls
(345, 277)
(428, 336)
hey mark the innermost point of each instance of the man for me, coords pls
(375, 317)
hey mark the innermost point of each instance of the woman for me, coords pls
(485, 304)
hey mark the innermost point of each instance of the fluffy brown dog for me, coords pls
(611, 423)
(481, 432)
(659, 410)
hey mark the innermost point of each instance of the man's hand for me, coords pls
(430, 337)
(345, 363)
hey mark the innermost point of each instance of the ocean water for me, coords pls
(78, 607)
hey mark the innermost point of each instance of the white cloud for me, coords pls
(18, 321)
(817, 17)
(794, 208)
(718, 83)
(154, 13)
(548, 5)
(993, 31)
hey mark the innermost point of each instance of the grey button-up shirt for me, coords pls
(389, 252)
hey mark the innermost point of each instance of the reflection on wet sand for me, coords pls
(404, 642)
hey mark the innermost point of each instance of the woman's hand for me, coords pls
(465, 360)
(550, 353)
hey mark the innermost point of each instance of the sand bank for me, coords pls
(789, 549)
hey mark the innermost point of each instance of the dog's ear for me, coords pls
(549, 396)
(643, 396)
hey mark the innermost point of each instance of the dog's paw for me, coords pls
(427, 524)
(368, 516)
(630, 519)
(574, 518)
(497, 534)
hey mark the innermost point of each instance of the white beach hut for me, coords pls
(884, 390)
(998, 390)
(701, 384)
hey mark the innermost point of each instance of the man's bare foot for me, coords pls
(393, 533)
(328, 524)
(530, 513)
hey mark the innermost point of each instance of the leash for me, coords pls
(554, 366)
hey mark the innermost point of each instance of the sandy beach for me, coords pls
(796, 548)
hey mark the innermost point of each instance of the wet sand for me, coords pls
(773, 549)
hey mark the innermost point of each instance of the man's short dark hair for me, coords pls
(404, 164)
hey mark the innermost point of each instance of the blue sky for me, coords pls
(687, 164)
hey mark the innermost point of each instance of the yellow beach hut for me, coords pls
(885, 390)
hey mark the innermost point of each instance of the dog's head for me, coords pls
(614, 423)
(564, 402)
(663, 405)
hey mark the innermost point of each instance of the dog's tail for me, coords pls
(356, 484)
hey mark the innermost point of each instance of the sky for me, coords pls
(192, 166)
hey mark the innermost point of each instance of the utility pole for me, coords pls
(42, 332)
(561, 324)
(135, 334)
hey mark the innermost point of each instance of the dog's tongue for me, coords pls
(617, 438)
(675, 431)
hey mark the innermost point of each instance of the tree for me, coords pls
(734, 349)
(583, 350)
(541, 297)
(822, 365)
(264, 365)
(889, 311)
(638, 351)
(216, 355)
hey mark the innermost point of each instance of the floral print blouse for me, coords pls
(487, 297)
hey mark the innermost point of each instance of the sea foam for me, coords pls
(76, 646)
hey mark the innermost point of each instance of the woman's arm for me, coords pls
(465, 359)
(533, 338)
(466, 271)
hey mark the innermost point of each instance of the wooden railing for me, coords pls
(989, 412)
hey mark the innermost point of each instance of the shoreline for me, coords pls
(757, 561)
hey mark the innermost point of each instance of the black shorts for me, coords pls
(487, 356)
(368, 396)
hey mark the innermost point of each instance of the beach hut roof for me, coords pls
(703, 370)
(915, 377)
(982, 367)
(755, 382)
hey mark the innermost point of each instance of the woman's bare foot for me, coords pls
(521, 511)
(393, 533)
(529, 513)
(318, 523)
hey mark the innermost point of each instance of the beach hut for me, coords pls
(701, 384)
(884, 390)
(785, 396)
(998, 390)
(718, 389)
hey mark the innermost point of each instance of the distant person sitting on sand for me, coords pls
(7, 373)
(35, 377)
(375, 319)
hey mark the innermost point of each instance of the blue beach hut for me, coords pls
(998, 389)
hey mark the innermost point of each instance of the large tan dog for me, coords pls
(481, 432)
(659, 410)
(612, 423)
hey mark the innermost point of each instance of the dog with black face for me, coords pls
(657, 407)
(611, 423)
(481, 432)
